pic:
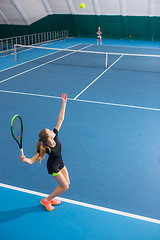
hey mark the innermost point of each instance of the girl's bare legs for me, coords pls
(65, 174)
(63, 179)
(100, 40)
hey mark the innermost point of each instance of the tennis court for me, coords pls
(110, 140)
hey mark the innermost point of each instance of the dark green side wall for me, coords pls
(120, 27)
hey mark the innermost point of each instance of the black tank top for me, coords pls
(55, 153)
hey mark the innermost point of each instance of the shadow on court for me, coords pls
(7, 216)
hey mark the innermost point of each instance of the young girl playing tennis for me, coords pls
(49, 143)
(99, 37)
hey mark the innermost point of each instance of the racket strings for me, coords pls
(17, 128)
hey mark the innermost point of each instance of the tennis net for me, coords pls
(86, 58)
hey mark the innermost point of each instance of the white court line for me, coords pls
(34, 58)
(81, 100)
(125, 46)
(30, 94)
(77, 45)
(43, 64)
(98, 77)
(108, 210)
(118, 105)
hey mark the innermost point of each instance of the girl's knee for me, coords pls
(65, 187)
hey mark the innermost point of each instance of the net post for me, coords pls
(106, 60)
(15, 52)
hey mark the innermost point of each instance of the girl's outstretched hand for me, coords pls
(64, 97)
(22, 158)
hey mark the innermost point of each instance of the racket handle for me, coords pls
(22, 153)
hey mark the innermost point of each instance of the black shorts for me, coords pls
(54, 168)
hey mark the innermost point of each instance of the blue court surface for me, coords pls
(110, 141)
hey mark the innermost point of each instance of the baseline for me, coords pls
(83, 100)
(125, 214)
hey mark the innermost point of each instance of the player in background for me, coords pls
(99, 37)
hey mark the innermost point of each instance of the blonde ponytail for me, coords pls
(41, 148)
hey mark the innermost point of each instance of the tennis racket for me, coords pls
(17, 130)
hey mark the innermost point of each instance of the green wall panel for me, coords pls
(111, 26)
(121, 27)
(156, 29)
(13, 30)
(137, 27)
(66, 21)
(86, 25)
(43, 25)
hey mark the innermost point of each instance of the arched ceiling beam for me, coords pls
(123, 7)
(96, 7)
(21, 11)
(6, 21)
(151, 8)
(47, 6)
(71, 7)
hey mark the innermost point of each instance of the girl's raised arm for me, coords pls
(62, 112)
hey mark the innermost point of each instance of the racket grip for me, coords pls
(22, 153)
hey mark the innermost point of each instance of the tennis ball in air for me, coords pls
(82, 5)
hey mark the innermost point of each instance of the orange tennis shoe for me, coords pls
(47, 204)
(55, 202)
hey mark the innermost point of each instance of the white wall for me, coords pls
(28, 11)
